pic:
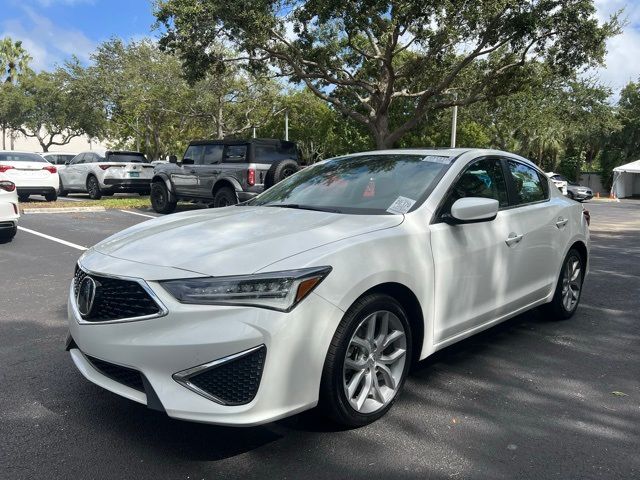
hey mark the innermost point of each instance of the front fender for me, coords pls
(162, 176)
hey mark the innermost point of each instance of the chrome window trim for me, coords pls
(163, 309)
(183, 377)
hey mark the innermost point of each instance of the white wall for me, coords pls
(29, 144)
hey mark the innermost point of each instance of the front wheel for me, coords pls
(160, 199)
(93, 188)
(367, 362)
(569, 288)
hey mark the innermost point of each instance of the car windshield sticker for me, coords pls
(401, 205)
(437, 159)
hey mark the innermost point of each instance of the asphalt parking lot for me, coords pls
(530, 398)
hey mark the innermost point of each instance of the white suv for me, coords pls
(105, 172)
(561, 184)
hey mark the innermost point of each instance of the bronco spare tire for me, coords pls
(279, 171)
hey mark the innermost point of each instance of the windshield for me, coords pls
(20, 157)
(126, 157)
(366, 184)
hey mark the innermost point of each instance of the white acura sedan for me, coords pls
(325, 288)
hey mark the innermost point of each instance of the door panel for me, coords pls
(472, 261)
(208, 171)
(184, 176)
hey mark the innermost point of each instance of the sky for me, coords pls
(53, 30)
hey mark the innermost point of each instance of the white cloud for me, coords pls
(623, 51)
(48, 3)
(46, 42)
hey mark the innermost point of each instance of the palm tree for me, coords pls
(14, 62)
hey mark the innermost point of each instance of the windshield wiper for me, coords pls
(304, 207)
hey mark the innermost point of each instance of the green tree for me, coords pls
(57, 107)
(14, 60)
(387, 65)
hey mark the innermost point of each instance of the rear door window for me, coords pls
(212, 154)
(527, 183)
(235, 153)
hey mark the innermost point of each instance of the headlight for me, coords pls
(275, 290)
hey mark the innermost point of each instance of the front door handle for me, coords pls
(513, 239)
(561, 222)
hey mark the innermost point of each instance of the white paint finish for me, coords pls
(465, 277)
(53, 239)
(47, 211)
(8, 205)
(472, 209)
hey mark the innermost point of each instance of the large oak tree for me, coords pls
(389, 64)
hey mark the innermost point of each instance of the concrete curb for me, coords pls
(29, 211)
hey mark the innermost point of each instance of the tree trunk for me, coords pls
(219, 117)
(4, 140)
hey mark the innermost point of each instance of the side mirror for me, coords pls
(472, 210)
(173, 159)
(67, 162)
(188, 161)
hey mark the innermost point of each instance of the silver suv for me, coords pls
(222, 172)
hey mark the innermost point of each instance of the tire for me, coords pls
(224, 197)
(7, 236)
(51, 196)
(23, 197)
(93, 188)
(362, 360)
(61, 191)
(560, 308)
(279, 171)
(160, 198)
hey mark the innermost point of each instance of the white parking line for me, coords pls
(53, 239)
(138, 213)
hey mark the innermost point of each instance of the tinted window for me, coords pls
(78, 159)
(235, 153)
(272, 153)
(126, 157)
(370, 184)
(212, 154)
(485, 179)
(20, 157)
(194, 152)
(528, 187)
(59, 158)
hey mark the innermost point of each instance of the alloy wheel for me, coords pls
(571, 283)
(374, 362)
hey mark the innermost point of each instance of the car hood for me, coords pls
(235, 240)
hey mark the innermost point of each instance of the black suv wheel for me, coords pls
(160, 198)
(279, 171)
(224, 197)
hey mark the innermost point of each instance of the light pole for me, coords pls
(454, 121)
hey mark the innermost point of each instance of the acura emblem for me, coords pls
(86, 295)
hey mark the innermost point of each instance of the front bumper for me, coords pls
(193, 335)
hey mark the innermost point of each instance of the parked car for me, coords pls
(105, 172)
(222, 172)
(59, 159)
(575, 191)
(326, 287)
(31, 173)
(9, 212)
(561, 184)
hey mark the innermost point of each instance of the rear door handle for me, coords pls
(513, 239)
(561, 222)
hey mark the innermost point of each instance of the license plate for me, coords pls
(134, 174)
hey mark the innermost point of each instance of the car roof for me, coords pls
(20, 151)
(446, 152)
(240, 141)
(104, 151)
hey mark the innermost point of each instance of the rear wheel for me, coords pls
(51, 196)
(569, 288)
(367, 362)
(160, 199)
(61, 191)
(93, 188)
(224, 197)
(7, 235)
